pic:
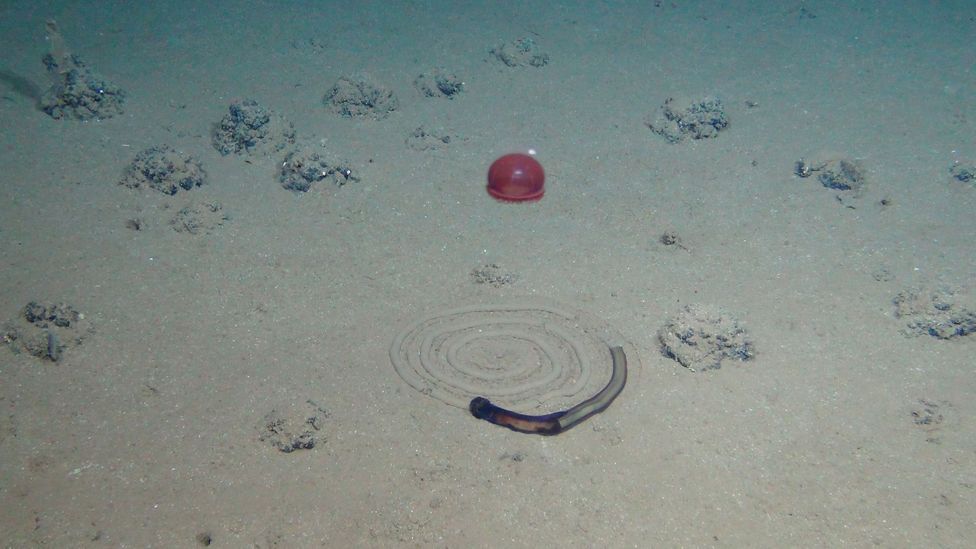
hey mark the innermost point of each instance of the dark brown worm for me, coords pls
(556, 422)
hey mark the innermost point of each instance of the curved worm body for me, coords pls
(556, 422)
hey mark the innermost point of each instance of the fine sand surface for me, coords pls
(844, 429)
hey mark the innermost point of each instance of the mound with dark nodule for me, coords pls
(438, 82)
(942, 312)
(839, 174)
(249, 128)
(680, 119)
(701, 337)
(307, 165)
(46, 330)
(522, 52)
(164, 169)
(76, 92)
(199, 218)
(360, 97)
(963, 173)
(293, 427)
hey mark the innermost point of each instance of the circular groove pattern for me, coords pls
(529, 356)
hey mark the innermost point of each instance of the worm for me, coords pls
(556, 422)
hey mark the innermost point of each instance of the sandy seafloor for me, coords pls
(147, 434)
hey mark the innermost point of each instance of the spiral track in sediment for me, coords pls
(532, 357)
